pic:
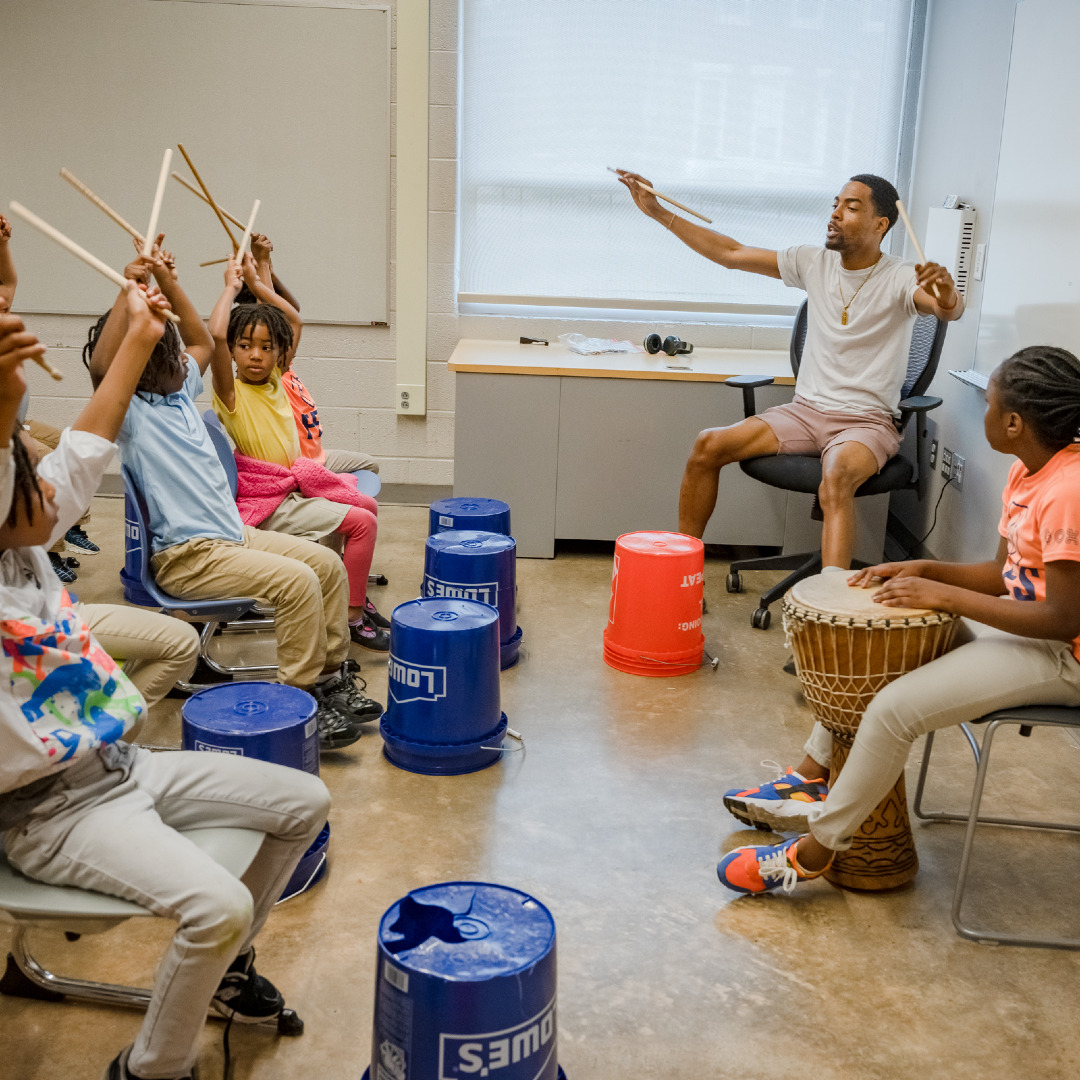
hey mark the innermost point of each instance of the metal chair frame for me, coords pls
(1026, 719)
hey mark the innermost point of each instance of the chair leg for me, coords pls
(940, 815)
(250, 670)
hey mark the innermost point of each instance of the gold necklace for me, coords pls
(843, 316)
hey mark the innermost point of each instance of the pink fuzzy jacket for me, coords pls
(262, 486)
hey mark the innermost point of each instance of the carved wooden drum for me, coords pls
(846, 649)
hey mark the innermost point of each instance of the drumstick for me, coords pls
(215, 262)
(247, 234)
(159, 194)
(78, 185)
(79, 252)
(915, 242)
(209, 197)
(666, 198)
(195, 191)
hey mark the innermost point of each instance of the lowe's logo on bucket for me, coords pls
(487, 592)
(518, 1053)
(415, 682)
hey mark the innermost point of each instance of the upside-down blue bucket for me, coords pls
(270, 722)
(443, 715)
(490, 515)
(465, 986)
(472, 565)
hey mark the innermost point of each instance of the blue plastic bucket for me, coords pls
(474, 565)
(270, 722)
(131, 572)
(465, 986)
(442, 713)
(490, 515)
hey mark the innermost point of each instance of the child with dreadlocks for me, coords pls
(79, 806)
(202, 550)
(1025, 650)
(279, 489)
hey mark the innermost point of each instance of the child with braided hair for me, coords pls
(1025, 650)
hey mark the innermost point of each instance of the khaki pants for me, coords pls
(155, 650)
(349, 461)
(304, 582)
(994, 671)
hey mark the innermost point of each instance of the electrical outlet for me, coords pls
(958, 464)
(946, 463)
(933, 454)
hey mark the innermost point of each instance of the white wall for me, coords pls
(965, 75)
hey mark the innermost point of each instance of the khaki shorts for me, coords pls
(802, 429)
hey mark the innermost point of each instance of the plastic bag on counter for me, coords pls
(593, 346)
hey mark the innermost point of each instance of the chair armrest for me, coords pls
(919, 404)
(747, 384)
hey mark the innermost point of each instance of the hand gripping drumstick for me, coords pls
(159, 194)
(78, 185)
(196, 192)
(666, 198)
(209, 197)
(80, 253)
(915, 242)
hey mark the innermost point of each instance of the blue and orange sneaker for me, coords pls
(780, 805)
(758, 870)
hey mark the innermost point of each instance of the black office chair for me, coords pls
(802, 472)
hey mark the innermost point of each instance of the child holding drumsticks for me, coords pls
(253, 408)
(1025, 652)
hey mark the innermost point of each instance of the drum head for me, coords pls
(830, 594)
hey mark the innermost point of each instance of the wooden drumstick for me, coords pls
(666, 198)
(196, 192)
(159, 194)
(78, 185)
(215, 262)
(242, 249)
(79, 252)
(209, 197)
(915, 242)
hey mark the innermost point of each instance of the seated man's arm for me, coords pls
(937, 294)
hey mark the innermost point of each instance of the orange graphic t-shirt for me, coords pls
(306, 416)
(1040, 519)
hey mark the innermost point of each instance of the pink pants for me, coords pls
(359, 528)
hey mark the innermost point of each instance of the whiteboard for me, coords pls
(1031, 294)
(287, 104)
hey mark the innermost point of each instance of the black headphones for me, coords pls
(671, 345)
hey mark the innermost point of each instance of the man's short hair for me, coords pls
(882, 194)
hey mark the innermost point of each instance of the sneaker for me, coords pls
(244, 995)
(77, 541)
(118, 1069)
(61, 569)
(780, 805)
(336, 730)
(369, 636)
(373, 614)
(762, 869)
(344, 692)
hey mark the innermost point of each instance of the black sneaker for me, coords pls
(372, 612)
(344, 692)
(61, 568)
(369, 636)
(118, 1070)
(244, 995)
(77, 540)
(336, 730)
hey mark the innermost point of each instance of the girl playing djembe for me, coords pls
(1025, 650)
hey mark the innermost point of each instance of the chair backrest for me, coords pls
(927, 340)
(138, 508)
(224, 450)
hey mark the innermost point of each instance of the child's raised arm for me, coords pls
(261, 248)
(8, 278)
(193, 331)
(266, 295)
(112, 333)
(221, 365)
(105, 411)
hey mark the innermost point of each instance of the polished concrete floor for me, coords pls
(612, 816)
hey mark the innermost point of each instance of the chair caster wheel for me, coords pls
(761, 618)
(288, 1023)
(734, 582)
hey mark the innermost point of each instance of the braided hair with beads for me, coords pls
(26, 490)
(1042, 384)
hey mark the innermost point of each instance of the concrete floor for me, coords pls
(613, 818)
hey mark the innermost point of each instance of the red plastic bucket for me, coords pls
(654, 618)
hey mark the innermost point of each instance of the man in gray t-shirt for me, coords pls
(862, 304)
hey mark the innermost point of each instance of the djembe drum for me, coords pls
(846, 649)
